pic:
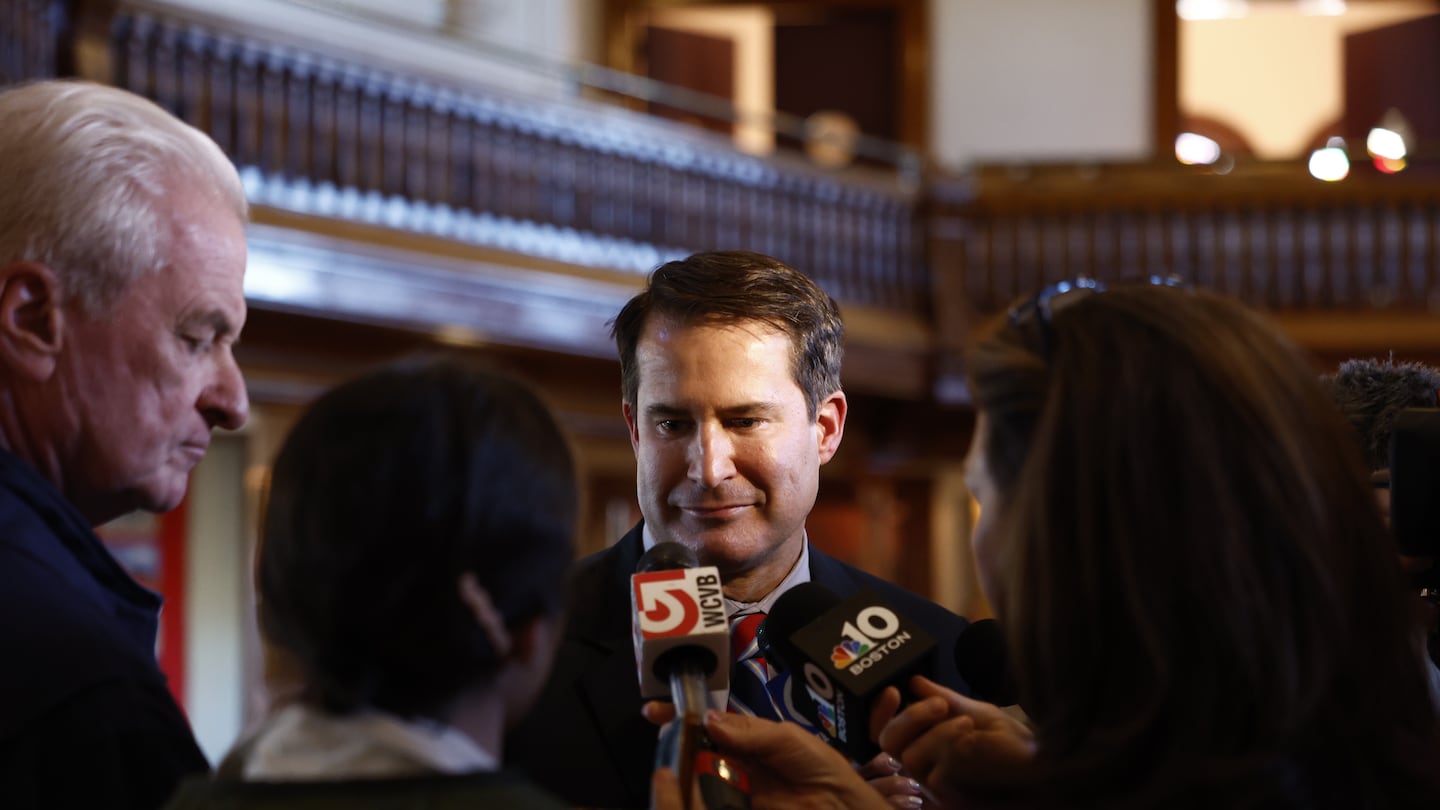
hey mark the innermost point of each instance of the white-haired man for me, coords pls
(122, 259)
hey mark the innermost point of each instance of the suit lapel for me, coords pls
(611, 689)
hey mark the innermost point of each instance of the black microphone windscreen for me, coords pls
(667, 556)
(843, 653)
(795, 608)
(1415, 483)
(981, 659)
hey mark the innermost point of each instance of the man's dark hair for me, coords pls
(736, 287)
(387, 490)
(1371, 393)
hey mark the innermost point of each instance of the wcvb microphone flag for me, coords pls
(678, 608)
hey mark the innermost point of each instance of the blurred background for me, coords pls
(496, 177)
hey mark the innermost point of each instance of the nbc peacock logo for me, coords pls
(847, 651)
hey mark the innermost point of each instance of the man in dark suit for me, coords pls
(730, 367)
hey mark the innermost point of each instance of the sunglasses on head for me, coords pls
(1040, 308)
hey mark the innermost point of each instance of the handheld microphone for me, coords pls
(681, 636)
(1414, 482)
(679, 621)
(983, 663)
(848, 651)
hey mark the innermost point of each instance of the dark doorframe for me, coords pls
(1165, 28)
(623, 24)
(693, 61)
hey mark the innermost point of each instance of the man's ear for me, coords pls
(32, 322)
(830, 425)
(632, 425)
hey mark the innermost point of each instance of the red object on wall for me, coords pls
(152, 549)
(172, 587)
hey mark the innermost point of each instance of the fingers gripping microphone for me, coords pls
(847, 651)
(681, 637)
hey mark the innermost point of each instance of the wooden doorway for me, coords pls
(694, 61)
(867, 59)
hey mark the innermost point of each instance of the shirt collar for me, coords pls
(799, 574)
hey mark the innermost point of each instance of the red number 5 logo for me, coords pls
(664, 605)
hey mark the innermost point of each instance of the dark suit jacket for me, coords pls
(585, 741)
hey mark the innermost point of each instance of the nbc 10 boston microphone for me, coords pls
(682, 652)
(845, 652)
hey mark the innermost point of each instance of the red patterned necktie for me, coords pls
(750, 675)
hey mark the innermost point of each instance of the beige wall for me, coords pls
(218, 602)
(1040, 80)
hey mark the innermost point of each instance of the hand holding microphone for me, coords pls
(681, 637)
(789, 768)
(859, 658)
(948, 741)
(952, 743)
(845, 653)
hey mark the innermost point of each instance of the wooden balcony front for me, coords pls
(393, 186)
(525, 219)
(1347, 268)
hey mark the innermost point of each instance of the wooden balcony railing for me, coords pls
(1271, 236)
(333, 132)
(325, 124)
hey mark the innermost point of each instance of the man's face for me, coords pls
(728, 456)
(141, 385)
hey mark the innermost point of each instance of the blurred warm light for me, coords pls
(1385, 143)
(1331, 163)
(1390, 165)
(1211, 9)
(1194, 149)
(1321, 8)
(1390, 140)
(1235, 9)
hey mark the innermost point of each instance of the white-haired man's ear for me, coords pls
(32, 322)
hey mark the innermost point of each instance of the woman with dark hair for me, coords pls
(419, 525)
(1203, 606)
